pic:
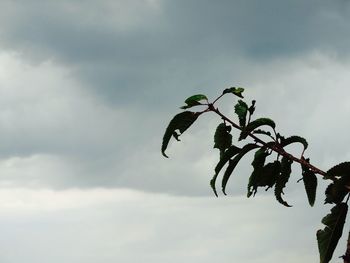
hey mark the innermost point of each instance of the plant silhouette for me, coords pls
(261, 136)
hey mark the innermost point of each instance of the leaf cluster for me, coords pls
(271, 164)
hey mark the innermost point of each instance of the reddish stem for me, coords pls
(274, 148)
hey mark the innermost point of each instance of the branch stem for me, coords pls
(274, 147)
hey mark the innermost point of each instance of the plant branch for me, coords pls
(274, 147)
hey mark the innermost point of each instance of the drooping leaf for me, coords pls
(293, 139)
(241, 109)
(234, 90)
(194, 101)
(282, 180)
(228, 154)
(222, 138)
(180, 122)
(256, 124)
(336, 191)
(340, 170)
(328, 237)
(233, 163)
(310, 183)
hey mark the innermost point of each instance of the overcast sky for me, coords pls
(87, 89)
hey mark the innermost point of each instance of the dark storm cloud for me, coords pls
(149, 47)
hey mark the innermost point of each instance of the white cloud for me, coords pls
(100, 225)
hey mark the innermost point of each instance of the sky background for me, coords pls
(87, 89)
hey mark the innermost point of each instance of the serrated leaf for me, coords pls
(236, 91)
(194, 101)
(233, 163)
(340, 170)
(222, 138)
(180, 122)
(228, 154)
(256, 124)
(282, 180)
(241, 109)
(264, 177)
(328, 237)
(258, 163)
(293, 139)
(336, 191)
(310, 183)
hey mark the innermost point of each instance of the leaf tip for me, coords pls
(224, 190)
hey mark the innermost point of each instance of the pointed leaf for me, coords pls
(233, 163)
(228, 154)
(293, 139)
(241, 109)
(328, 237)
(256, 124)
(222, 138)
(282, 180)
(236, 91)
(342, 169)
(194, 101)
(310, 183)
(180, 122)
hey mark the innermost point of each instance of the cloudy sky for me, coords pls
(87, 89)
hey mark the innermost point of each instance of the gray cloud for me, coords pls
(129, 50)
(87, 89)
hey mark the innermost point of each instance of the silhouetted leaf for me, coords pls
(241, 109)
(282, 180)
(328, 237)
(251, 109)
(233, 163)
(256, 124)
(270, 173)
(180, 122)
(293, 139)
(264, 177)
(237, 91)
(228, 154)
(310, 183)
(222, 138)
(336, 191)
(258, 164)
(194, 101)
(342, 169)
(258, 131)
